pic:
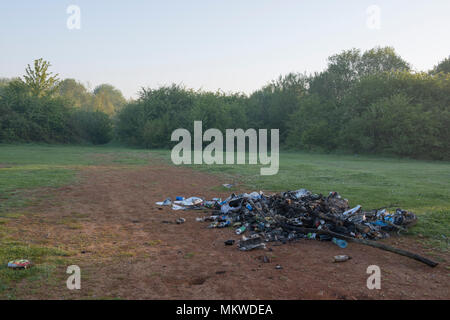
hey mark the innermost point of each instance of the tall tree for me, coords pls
(348, 67)
(3, 83)
(443, 66)
(39, 80)
(108, 99)
(76, 93)
(379, 59)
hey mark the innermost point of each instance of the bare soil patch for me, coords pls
(127, 247)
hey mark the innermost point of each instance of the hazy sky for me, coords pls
(228, 45)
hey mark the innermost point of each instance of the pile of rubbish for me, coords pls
(293, 215)
(277, 217)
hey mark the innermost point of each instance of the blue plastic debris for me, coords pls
(339, 242)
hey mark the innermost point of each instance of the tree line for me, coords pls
(363, 102)
(40, 108)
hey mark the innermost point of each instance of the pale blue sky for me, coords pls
(228, 45)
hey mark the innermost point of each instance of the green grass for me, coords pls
(41, 270)
(15, 180)
(370, 181)
(435, 228)
(67, 155)
(27, 167)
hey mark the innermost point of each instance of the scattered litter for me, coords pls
(278, 267)
(166, 202)
(240, 230)
(264, 259)
(341, 258)
(255, 242)
(227, 185)
(229, 242)
(180, 220)
(189, 202)
(182, 204)
(19, 264)
(220, 224)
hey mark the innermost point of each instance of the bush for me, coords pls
(95, 127)
(28, 118)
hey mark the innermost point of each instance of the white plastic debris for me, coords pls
(192, 201)
(166, 202)
(301, 193)
(353, 210)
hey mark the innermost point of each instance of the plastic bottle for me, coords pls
(240, 230)
(341, 258)
(341, 243)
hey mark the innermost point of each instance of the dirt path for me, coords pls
(125, 250)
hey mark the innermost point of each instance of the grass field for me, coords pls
(27, 167)
(420, 186)
(373, 182)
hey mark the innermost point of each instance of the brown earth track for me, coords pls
(117, 235)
